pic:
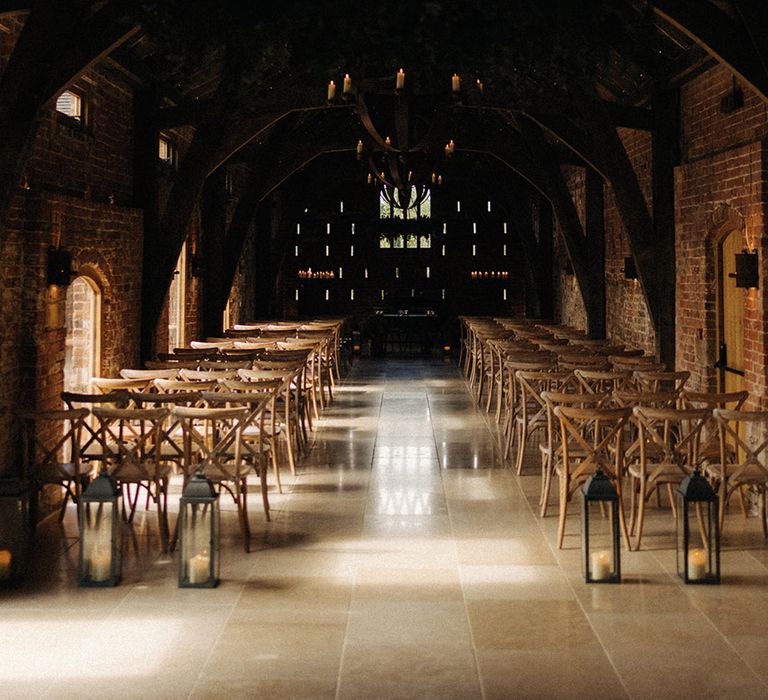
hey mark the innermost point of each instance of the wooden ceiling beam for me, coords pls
(731, 43)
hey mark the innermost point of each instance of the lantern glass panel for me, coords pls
(14, 523)
(698, 556)
(100, 543)
(600, 555)
(199, 563)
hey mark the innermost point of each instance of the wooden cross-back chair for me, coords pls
(531, 419)
(270, 429)
(513, 363)
(672, 382)
(590, 439)
(149, 374)
(709, 450)
(132, 441)
(743, 458)
(591, 381)
(550, 450)
(668, 451)
(213, 446)
(51, 455)
(90, 446)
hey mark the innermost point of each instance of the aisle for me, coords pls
(404, 561)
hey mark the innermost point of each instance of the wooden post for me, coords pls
(213, 219)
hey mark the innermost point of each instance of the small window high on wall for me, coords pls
(71, 104)
(166, 150)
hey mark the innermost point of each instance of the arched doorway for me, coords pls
(82, 346)
(730, 314)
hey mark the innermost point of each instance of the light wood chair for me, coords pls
(671, 382)
(172, 386)
(668, 440)
(592, 381)
(743, 458)
(132, 440)
(590, 438)
(550, 451)
(213, 446)
(51, 456)
(90, 446)
(149, 374)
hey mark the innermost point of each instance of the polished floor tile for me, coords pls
(405, 559)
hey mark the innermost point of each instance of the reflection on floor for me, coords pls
(404, 561)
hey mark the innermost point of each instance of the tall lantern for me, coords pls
(600, 548)
(698, 531)
(14, 530)
(199, 535)
(101, 541)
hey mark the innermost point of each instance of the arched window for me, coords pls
(82, 353)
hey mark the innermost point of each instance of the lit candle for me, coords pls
(101, 563)
(439, 179)
(199, 567)
(400, 84)
(600, 565)
(697, 564)
(480, 85)
(331, 90)
(359, 148)
(370, 178)
(347, 84)
(456, 82)
(5, 564)
(388, 141)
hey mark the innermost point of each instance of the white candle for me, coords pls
(480, 85)
(600, 565)
(359, 148)
(400, 84)
(347, 84)
(199, 568)
(101, 563)
(456, 82)
(697, 564)
(331, 90)
(5, 564)
(388, 141)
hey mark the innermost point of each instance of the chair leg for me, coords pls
(563, 512)
(241, 498)
(264, 492)
(522, 434)
(162, 512)
(546, 484)
(641, 498)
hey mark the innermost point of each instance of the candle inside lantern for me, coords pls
(600, 565)
(347, 84)
(697, 564)
(480, 85)
(101, 562)
(5, 564)
(388, 141)
(199, 567)
(331, 90)
(359, 148)
(456, 82)
(400, 81)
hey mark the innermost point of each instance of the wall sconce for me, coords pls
(747, 272)
(629, 269)
(59, 271)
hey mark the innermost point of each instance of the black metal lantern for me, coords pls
(199, 535)
(601, 554)
(101, 541)
(698, 531)
(14, 530)
(747, 273)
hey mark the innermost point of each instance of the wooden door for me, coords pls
(731, 316)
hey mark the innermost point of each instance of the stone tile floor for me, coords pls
(403, 561)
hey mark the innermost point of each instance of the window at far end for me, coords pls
(71, 104)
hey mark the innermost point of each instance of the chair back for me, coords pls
(52, 443)
(172, 386)
(132, 440)
(743, 446)
(212, 439)
(593, 381)
(149, 374)
(671, 382)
